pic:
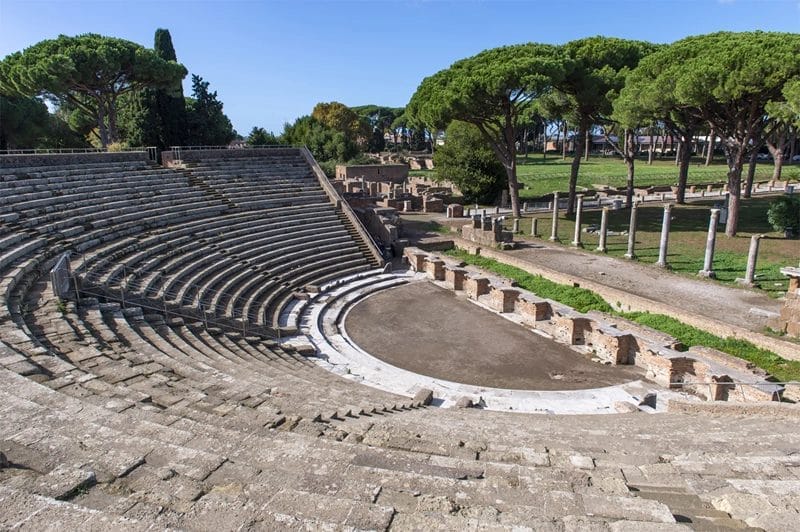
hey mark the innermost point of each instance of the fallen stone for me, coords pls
(424, 396)
(64, 482)
(464, 402)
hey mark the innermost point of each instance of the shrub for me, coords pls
(784, 215)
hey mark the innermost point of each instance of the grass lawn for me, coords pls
(584, 300)
(687, 240)
(539, 177)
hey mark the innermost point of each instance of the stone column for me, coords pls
(525, 207)
(554, 232)
(535, 227)
(632, 233)
(576, 240)
(708, 263)
(662, 246)
(497, 210)
(601, 246)
(750, 274)
(516, 226)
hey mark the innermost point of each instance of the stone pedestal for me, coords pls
(454, 278)
(516, 226)
(790, 313)
(535, 227)
(503, 299)
(476, 286)
(435, 268)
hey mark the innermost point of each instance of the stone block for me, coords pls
(455, 210)
(503, 299)
(476, 287)
(454, 278)
(532, 309)
(612, 345)
(435, 269)
(424, 396)
(464, 402)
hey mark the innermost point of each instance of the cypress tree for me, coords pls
(170, 105)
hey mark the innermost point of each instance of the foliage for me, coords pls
(91, 72)
(207, 124)
(341, 119)
(728, 79)
(584, 300)
(490, 90)
(784, 214)
(261, 137)
(26, 123)
(468, 161)
(325, 144)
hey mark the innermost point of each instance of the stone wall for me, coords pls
(387, 173)
(169, 157)
(57, 159)
(702, 371)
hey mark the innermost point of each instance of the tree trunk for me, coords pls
(576, 165)
(712, 138)
(678, 152)
(651, 150)
(544, 144)
(776, 150)
(751, 173)
(101, 124)
(564, 143)
(685, 151)
(587, 140)
(113, 132)
(630, 160)
(525, 142)
(736, 158)
(792, 143)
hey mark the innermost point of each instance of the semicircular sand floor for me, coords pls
(426, 329)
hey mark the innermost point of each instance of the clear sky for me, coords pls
(272, 61)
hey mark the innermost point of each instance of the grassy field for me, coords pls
(584, 300)
(539, 177)
(687, 241)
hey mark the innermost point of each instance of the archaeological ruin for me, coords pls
(223, 342)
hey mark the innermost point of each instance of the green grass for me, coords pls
(539, 177)
(580, 299)
(584, 300)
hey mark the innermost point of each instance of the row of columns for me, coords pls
(666, 220)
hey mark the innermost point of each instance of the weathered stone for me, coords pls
(423, 396)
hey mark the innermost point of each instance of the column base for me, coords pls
(576, 244)
(746, 283)
(630, 256)
(554, 239)
(604, 250)
(708, 274)
(664, 265)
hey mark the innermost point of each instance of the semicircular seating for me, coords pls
(131, 417)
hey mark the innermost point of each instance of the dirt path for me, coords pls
(736, 306)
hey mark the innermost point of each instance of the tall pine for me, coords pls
(170, 105)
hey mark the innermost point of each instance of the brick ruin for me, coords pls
(789, 319)
(701, 371)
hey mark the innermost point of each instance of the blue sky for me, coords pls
(271, 61)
